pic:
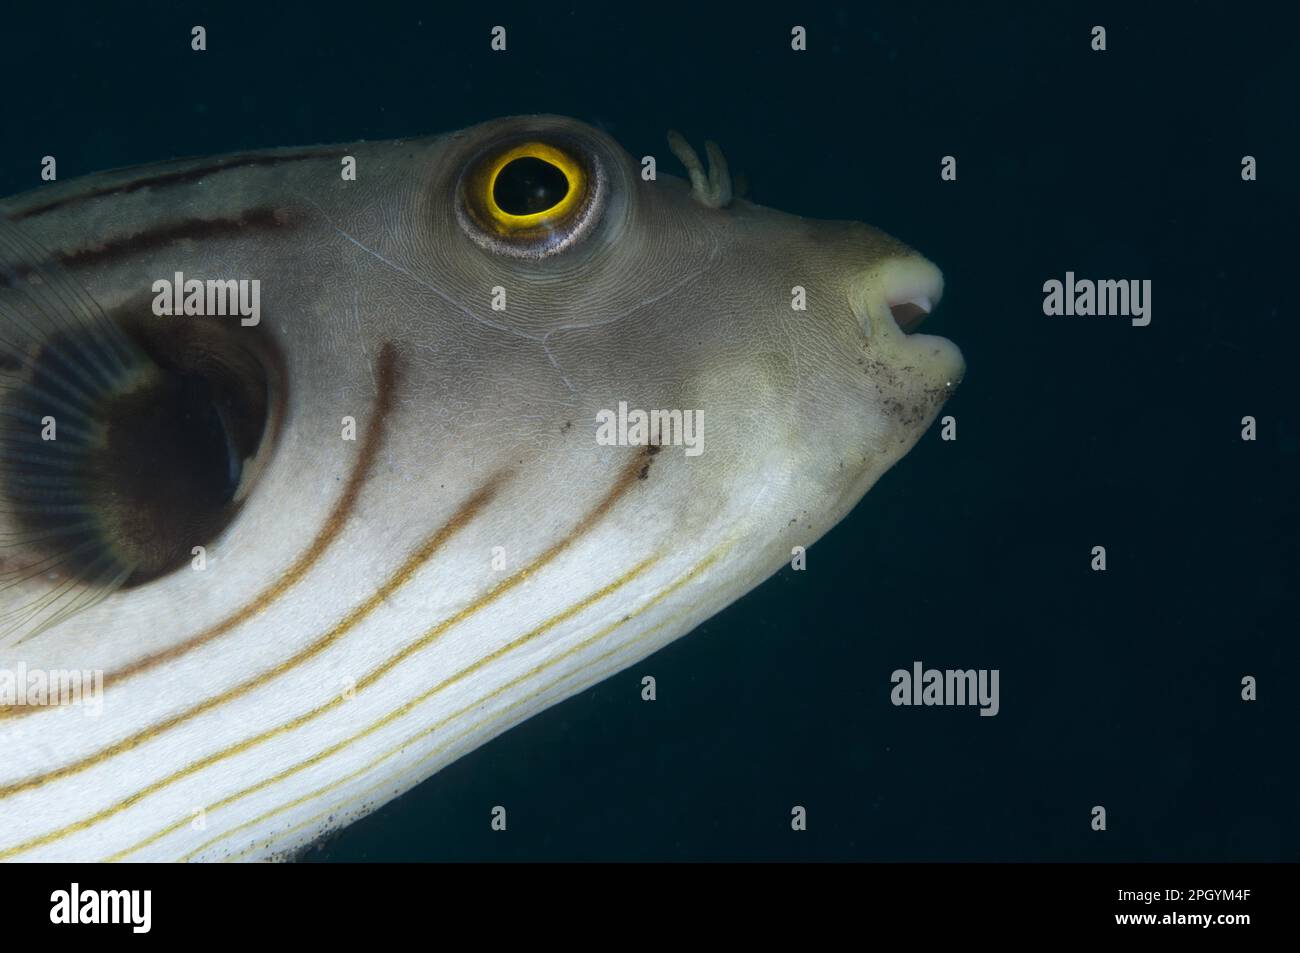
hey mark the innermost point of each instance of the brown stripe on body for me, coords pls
(193, 229)
(160, 236)
(459, 520)
(411, 705)
(627, 478)
(387, 375)
(178, 177)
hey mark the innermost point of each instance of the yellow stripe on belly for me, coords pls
(717, 553)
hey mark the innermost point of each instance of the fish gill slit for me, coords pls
(388, 376)
(626, 479)
(408, 569)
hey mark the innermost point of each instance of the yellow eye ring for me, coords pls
(521, 229)
(511, 224)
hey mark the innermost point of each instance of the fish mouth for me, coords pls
(896, 295)
(912, 289)
(890, 301)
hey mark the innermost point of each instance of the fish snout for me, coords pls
(890, 300)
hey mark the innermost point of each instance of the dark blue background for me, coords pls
(1119, 688)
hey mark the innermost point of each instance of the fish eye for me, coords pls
(531, 199)
(528, 185)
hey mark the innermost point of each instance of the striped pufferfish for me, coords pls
(318, 557)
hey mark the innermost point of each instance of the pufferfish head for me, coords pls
(795, 338)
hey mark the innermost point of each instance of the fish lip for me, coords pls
(896, 295)
(878, 297)
(911, 289)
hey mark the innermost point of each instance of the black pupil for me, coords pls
(528, 185)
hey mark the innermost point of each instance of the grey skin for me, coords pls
(494, 558)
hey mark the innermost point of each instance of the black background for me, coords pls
(1118, 688)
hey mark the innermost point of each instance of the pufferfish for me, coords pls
(312, 558)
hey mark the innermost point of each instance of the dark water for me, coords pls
(1119, 688)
